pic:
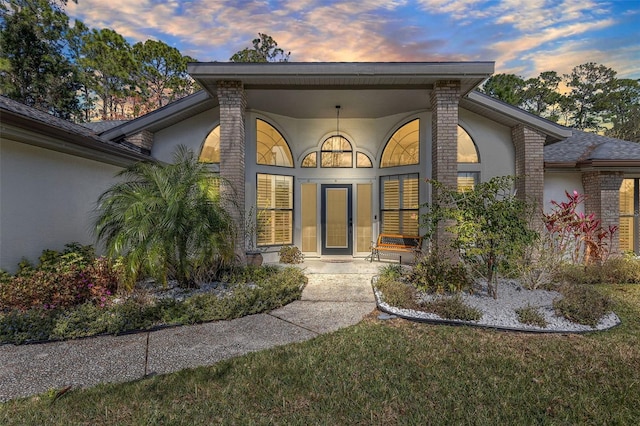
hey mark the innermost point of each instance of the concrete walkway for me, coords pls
(338, 295)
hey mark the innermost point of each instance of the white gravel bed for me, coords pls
(500, 313)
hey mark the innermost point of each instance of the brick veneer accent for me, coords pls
(445, 98)
(529, 147)
(233, 103)
(603, 199)
(143, 139)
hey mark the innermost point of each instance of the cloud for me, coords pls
(514, 35)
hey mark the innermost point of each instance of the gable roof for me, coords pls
(26, 124)
(583, 149)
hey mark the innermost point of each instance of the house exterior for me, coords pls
(326, 156)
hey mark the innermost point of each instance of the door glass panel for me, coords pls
(336, 218)
(363, 230)
(309, 217)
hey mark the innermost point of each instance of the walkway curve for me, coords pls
(336, 296)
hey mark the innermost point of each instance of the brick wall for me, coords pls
(603, 199)
(529, 148)
(233, 103)
(444, 147)
(143, 139)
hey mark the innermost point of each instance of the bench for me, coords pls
(395, 243)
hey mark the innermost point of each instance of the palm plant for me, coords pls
(167, 220)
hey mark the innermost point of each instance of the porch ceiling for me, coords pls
(361, 89)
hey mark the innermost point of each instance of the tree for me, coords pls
(166, 220)
(490, 228)
(541, 95)
(162, 76)
(86, 79)
(589, 84)
(508, 88)
(34, 69)
(265, 49)
(109, 64)
(622, 109)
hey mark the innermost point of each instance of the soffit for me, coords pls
(304, 90)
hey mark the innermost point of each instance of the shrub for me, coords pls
(615, 270)
(393, 271)
(269, 288)
(452, 308)
(577, 237)
(488, 225)
(433, 273)
(582, 304)
(396, 293)
(530, 315)
(60, 284)
(31, 325)
(167, 220)
(291, 255)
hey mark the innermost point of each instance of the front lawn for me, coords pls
(385, 372)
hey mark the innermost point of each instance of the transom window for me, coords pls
(271, 147)
(210, 152)
(403, 148)
(336, 151)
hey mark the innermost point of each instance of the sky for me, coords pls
(523, 37)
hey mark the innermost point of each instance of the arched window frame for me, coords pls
(345, 152)
(393, 144)
(469, 172)
(287, 154)
(211, 143)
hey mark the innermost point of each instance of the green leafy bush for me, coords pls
(396, 293)
(291, 255)
(582, 304)
(268, 288)
(393, 271)
(434, 273)
(530, 315)
(61, 280)
(452, 308)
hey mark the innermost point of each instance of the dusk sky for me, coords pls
(523, 37)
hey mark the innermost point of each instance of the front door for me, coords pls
(337, 221)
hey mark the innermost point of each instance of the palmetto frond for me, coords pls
(166, 219)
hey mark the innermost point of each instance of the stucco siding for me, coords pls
(493, 140)
(190, 132)
(555, 185)
(47, 200)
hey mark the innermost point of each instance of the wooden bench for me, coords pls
(395, 243)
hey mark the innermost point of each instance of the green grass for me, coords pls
(385, 372)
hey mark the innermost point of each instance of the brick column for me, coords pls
(603, 199)
(529, 145)
(444, 149)
(233, 102)
(143, 140)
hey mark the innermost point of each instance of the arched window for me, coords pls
(310, 160)
(363, 160)
(467, 152)
(336, 151)
(468, 161)
(211, 148)
(271, 148)
(403, 148)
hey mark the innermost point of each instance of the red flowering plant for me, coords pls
(577, 236)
